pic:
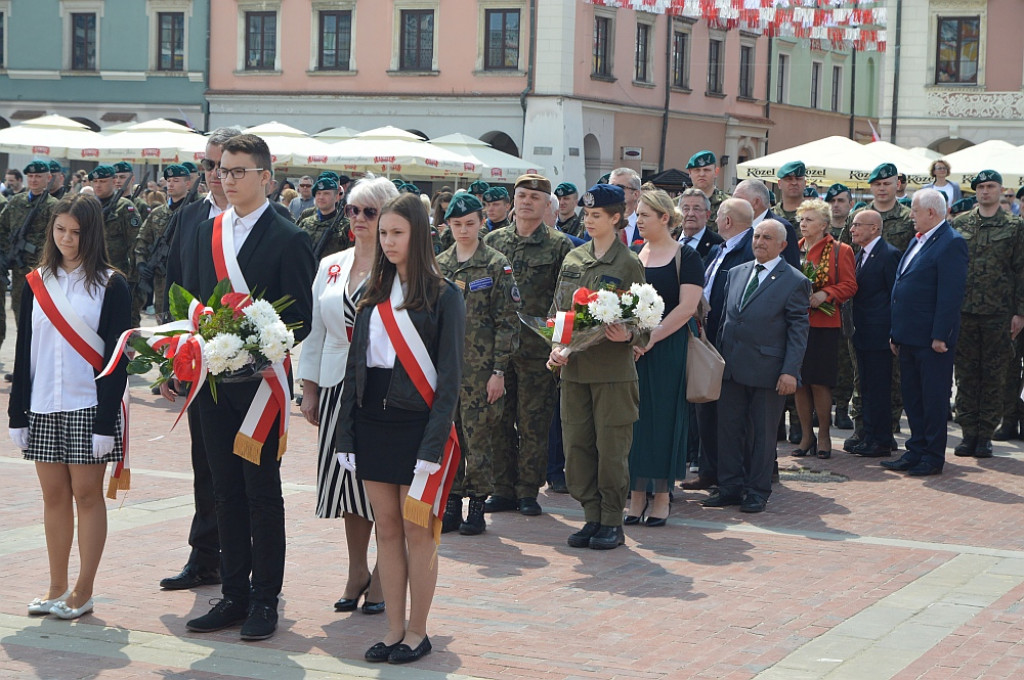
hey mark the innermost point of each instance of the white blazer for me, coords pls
(325, 349)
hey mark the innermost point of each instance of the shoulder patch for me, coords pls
(515, 294)
(481, 284)
(508, 269)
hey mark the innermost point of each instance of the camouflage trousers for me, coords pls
(17, 285)
(521, 441)
(477, 428)
(139, 299)
(1013, 407)
(982, 354)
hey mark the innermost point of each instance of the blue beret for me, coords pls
(883, 171)
(496, 194)
(479, 187)
(601, 195)
(37, 167)
(55, 167)
(566, 189)
(175, 171)
(987, 176)
(463, 204)
(835, 190)
(122, 166)
(810, 192)
(101, 172)
(793, 169)
(325, 184)
(701, 159)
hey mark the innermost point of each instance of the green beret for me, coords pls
(122, 166)
(463, 204)
(963, 205)
(496, 194)
(325, 184)
(1020, 193)
(479, 187)
(330, 174)
(810, 192)
(101, 172)
(701, 159)
(771, 197)
(906, 200)
(566, 189)
(605, 178)
(835, 190)
(793, 169)
(535, 182)
(55, 167)
(409, 188)
(37, 167)
(859, 204)
(190, 166)
(175, 171)
(883, 171)
(600, 195)
(987, 176)
(399, 183)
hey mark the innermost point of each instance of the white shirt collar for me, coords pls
(760, 218)
(770, 265)
(735, 240)
(250, 220)
(214, 208)
(871, 246)
(696, 237)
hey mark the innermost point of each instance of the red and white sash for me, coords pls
(428, 493)
(271, 402)
(90, 346)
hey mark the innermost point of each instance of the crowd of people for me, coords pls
(434, 405)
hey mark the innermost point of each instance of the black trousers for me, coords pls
(250, 507)
(927, 382)
(707, 426)
(203, 535)
(874, 369)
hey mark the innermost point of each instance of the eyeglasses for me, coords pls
(625, 187)
(355, 210)
(208, 165)
(305, 186)
(236, 173)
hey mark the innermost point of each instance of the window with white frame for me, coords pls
(335, 40)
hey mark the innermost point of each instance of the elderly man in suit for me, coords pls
(695, 207)
(876, 268)
(762, 338)
(926, 299)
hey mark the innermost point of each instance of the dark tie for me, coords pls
(752, 286)
(860, 261)
(688, 240)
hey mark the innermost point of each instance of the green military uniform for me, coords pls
(521, 449)
(994, 293)
(492, 335)
(600, 392)
(572, 226)
(13, 216)
(788, 215)
(443, 238)
(121, 230)
(328, 235)
(1012, 405)
(152, 229)
(716, 198)
(142, 208)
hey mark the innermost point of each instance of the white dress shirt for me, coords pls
(242, 226)
(769, 267)
(865, 252)
(62, 380)
(214, 208)
(731, 244)
(631, 233)
(916, 244)
(380, 353)
(760, 218)
(693, 241)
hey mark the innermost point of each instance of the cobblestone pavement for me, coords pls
(878, 576)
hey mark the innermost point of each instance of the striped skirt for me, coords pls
(337, 490)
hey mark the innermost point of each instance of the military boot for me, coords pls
(474, 523)
(967, 446)
(1007, 431)
(452, 519)
(843, 421)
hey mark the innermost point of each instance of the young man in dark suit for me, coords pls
(877, 263)
(275, 259)
(926, 300)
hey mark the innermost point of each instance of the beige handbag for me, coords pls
(704, 367)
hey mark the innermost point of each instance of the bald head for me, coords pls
(734, 217)
(866, 227)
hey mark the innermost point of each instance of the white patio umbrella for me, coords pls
(1007, 162)
(391, 151)
(930, 154)
(496, 166)
(914, 165)
(290, 146)
(53, 137)
(338, 134)
(828, 160)
(154, 141)
(966, 163)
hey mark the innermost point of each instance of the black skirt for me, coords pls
(821, 360)
(387, 439)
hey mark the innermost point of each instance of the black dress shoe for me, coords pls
(225, 613)
(871, 450)
(380, 652)
(372, 607)
(965, 449)
(984, 449)
(699, 484)
(753, 503)
(718, 500)
(558, 486)
(261, 624)
(854, 440)
(529, 507)
(581, 539)
(607, 538)
(1006, 432)
(190, 577)
(403, 653)
(349, 604)
(924, 470)
(843, 420)
(900, 465)
(499, 504)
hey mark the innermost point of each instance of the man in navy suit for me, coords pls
(926, 301)
(877, 264)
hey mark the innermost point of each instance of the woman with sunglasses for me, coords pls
(940, 172)
(339, 284)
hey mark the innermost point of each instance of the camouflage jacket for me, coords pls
(573, 226)
(716, 198)
(897, 227)
(788, 215)
(14, 215)
(492, 326)
(152, 229)
(142, 208)
(535, 260)
(121, 231)
(317, 228)
(995, 265)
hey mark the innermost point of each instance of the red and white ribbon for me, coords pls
(563, 327)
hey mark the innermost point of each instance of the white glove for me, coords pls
(347, 461)
(426, 466)
(19, 435)
(102, 444)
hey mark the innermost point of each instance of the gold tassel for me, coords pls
(248, 448)
(417, 511)
(282, 446)
(112, 488)
(122, 483)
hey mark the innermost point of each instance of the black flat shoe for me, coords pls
(372, 607)
(348, 604)
(403, 653)
(380, 652)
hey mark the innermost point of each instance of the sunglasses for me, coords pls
(208, 165)
(305, 186)
(355, 210)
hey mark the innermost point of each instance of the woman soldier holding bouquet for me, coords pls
(600, 395)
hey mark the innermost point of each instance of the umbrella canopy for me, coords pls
(338, 134)
(930, 154)
(389, 151)
(828, 160)
(495, 166)
(914, 165)
(966, 163)
(292, 147)
(154, 141)
(52, 136)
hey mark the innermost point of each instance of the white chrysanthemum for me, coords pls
(261, 313)
(221, 352)
(646, 294)
(636, 289)
(648, 316)
(240, 360)
(275, 341)
(606, 307)
(627, 299)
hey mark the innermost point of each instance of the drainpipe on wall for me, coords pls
(668, 93)
(206, 72)
(768, 94)
(896, 72)
(853, 91)
(531, 56)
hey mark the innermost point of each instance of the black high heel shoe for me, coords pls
(631, 520)
(372, 607)
(348, 604)
(800, 453)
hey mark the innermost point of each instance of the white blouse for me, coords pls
(61, 379)
(380, 353)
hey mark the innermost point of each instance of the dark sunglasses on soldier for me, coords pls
(354, 210)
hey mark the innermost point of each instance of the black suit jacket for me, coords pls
(872, 304)
(181, 257)
(738, 255)
(792, 252)
(706, 242)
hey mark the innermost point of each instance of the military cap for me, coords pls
(122, 166)
(987, 176)
(175, 171)
(859, 204)
(907, 201)
(605, 178)
(325, 184)
(463, 204)
(566, 189)
(883, 171)
(55, 167)
(902, 177)
(771, 197)
(190, 166)
(1020, 193)
(963, 205)
(810, 192)
(101, 172)
(399, 183)
(496, 194)
(835, 190)
(342, 179)
(409, 188)
(37, 167)
(601, 195)
(330, 174)
(479, 187)
(701, 159)
(535, 182)
(793, 169)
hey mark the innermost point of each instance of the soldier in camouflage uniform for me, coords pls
(1012, 405)
(492, 333)
(496, 205)
(57, 180)
(536, 252)
(703, 170)
(792, 181)
(840, 201)
(328, 228)
(478, 188)
(992, 313)
(123, 173)
(569, 221)
(121, 225)
(177, 178)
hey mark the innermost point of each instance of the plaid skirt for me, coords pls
(66, 437)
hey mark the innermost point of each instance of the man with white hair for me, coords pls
(629, 181)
